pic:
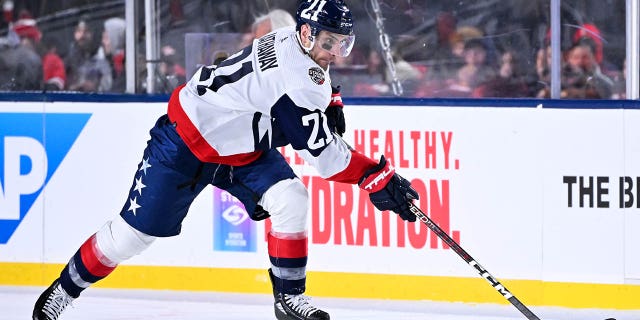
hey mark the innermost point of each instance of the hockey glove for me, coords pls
(334, 113)
(259, 213)
(388, 190)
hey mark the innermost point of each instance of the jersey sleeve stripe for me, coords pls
(358, 165)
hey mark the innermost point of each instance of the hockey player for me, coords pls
(223, 128)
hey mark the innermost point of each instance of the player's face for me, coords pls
(328, 45)
(337, 44)
(322, 57)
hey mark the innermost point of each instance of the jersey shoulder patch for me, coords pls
(317, 75)
(307, 84)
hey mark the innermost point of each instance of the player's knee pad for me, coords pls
(287, 203)
(118, 241)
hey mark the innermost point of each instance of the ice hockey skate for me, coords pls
(51, 303)
(295, 306)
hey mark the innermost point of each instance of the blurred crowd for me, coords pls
(502, 53)
(94, 60)
(440, 49)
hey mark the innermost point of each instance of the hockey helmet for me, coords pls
(330, 15)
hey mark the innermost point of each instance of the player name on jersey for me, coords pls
(267, 52)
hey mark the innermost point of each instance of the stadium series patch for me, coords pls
(316, 74)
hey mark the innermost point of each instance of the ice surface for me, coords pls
(101, 304)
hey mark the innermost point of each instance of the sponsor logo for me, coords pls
(342, 214)
(379, 178)
(232, 228)
(235, 215)
(317, 75)
(492, 281)
(32, 146)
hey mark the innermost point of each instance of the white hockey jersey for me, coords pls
(268, 95)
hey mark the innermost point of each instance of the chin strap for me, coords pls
(306, 49)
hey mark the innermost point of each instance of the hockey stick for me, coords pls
(472, 262)
(464, 255)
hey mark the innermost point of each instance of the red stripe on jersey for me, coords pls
(90, 258)
(287, 248)
(196, 142)
(355, 170)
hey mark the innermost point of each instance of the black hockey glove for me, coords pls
(334, 113)
(388, 190)
(259, 213)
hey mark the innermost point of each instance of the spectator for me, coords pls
(444, 62)
(113, 45)
(459, 39)
(26, 27)
(510, 81)
(275, 19)
(474, 72)
(265, 23)
(171, 73)
(581, 75)
(87, 67)
(588, 30)
(374, 81)
(442, 75)
(406, 72)
(620, 83)
(345, 70)
(591, 32)
(7, 13)
(53, 68)
(20, 63)
(176, 13)
(543, 72)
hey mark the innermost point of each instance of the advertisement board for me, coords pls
(541, 197)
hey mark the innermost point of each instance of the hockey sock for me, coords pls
(288, 255)
(85, 268)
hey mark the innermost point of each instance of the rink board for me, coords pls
(546, 199)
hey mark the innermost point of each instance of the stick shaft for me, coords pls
(472, 262)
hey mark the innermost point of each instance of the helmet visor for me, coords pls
(335, 43)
